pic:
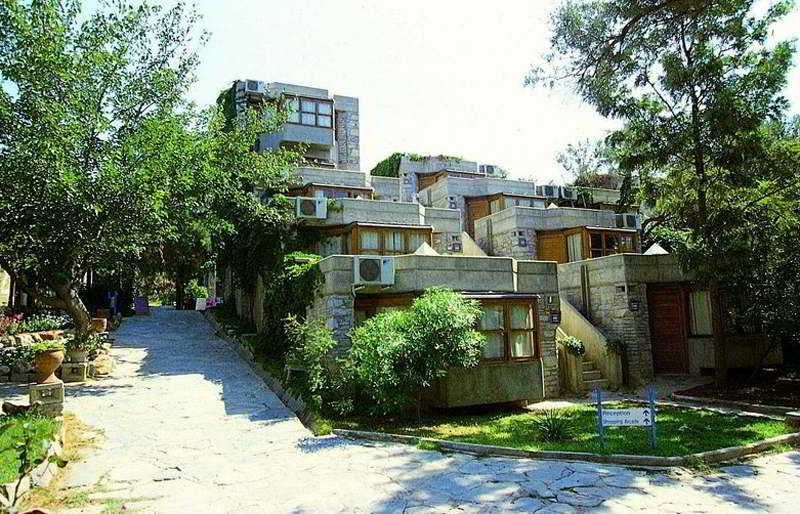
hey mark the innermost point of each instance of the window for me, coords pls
(575, 247)
(609, 242)
(415, 240)
(700, 320)
(393, 242)
(510, 330)
(496, 205)
(306, 111)
(370, 241)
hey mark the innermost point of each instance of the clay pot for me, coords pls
(46, 365)
(100, 325)
(77, 356)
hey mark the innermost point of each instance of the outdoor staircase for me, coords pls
(591, 376)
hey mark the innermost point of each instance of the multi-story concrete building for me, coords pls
(541, 260)
(324, 126)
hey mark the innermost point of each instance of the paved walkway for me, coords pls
(189, 428)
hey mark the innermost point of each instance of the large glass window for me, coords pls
(393, 242)
(307, 111)
(415, 240)
(700, 318)
(610, 242)
(370, 241)
(510, 330)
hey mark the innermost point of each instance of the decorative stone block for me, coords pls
(46, 393)
(74, 371)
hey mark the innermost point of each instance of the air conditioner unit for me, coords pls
(548, 191)
(569, 193)
(373, 270)
(311, 208)
(629, 221)
(255, 86)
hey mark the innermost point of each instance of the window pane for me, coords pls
(574, 248)
(612, 243)
(324, 121)
(308, 106)
(369, 241)
(625, 243)
(308, 119)
(597, 253)
(393, 241)
(521, 316)
(494, 346)
(596, 240)
(294, 117)
(324, 108)
(415, 240)
(496, 206)
(492, 317)
(522, 344)
(701, 323)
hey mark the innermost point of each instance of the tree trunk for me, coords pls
(180, 292)
(74, 307)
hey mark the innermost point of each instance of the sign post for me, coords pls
(598, 398)
(650, 395)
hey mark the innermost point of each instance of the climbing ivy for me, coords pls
(390, 166)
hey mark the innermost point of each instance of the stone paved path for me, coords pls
(189, 428)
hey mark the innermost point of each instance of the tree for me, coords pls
(79, 96)
(396, 355)
(694, 82)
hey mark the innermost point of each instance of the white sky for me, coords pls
(433, 77)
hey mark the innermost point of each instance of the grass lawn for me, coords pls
(681, 431)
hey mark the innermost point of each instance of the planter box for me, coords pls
(74, 371)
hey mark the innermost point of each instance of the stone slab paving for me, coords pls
(189, 428)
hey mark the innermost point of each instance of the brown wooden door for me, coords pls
(665, 304)
(477, 208)
(551, 246)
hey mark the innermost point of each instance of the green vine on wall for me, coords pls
(390, 166)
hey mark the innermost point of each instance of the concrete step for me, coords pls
(592, 375)
(589, 365)
(589, 385)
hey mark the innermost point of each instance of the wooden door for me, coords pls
(476, 208)
(665, 304)
(551, 246)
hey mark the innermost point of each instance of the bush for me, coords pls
(311, 344)
(38, 323)
(553, 426)
(195, 290)
(396, 355)
(18, 358)
(47, 346)
(573, 345)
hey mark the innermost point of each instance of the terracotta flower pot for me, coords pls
(100, 325)
(46, 365)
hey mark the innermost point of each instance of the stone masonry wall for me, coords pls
(508, 244)
(347, 140)
(337, 311)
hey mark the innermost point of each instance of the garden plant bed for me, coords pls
(681, 432)
(772, 390)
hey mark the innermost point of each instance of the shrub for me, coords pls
(18, 358)
(553, 426)
(396, 355)
(46, 346)
(24, 442)
(39, 323)
(311, 344)
(89, 343)
(195, 290)
(8, 323)
(573, 345)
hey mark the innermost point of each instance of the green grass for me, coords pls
(681, 431)
(40, 428)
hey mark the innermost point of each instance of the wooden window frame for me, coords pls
(355, 239)
(507, 303)
(587, 241)
(316, 113)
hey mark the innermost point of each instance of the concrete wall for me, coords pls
(349, 210)
(306, 174)
(488, 383)
(385, 188)
(596, 344)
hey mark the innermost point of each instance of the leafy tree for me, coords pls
(396, 355)
(694, 82)
(80, 93)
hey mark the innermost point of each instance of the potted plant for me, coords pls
(77, 348)
(49, 356)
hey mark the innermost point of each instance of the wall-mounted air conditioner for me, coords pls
(255, 86)
(628, 220)
(568, 193)
(548, 191)
(311, 208)
(373, 270)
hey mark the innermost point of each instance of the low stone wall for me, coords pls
(18, 373)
